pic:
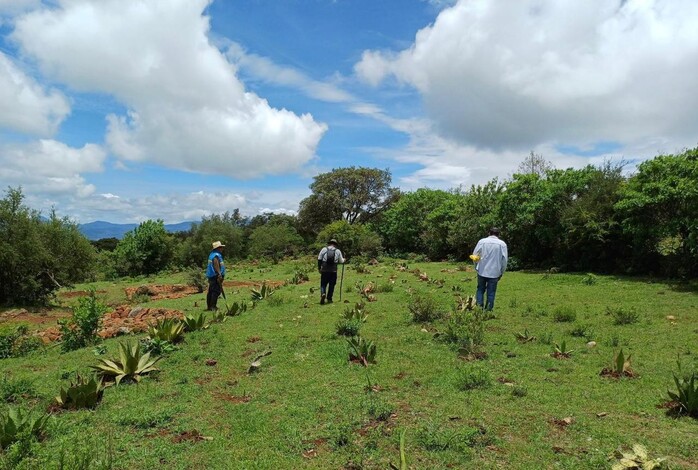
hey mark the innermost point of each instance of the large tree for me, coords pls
(353, 194)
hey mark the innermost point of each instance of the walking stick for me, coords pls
(340, 283)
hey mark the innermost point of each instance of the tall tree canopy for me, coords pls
(353, 194)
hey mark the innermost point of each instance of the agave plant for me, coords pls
(167, 329)
(194, 322)
(560, 350)
(157, 346)
(637, 459)
(357, 313)
(524, 337)
(686, 395)
(82, 393)
(262, 293)
(15, 423)
(465, 303)
(362, 350)
(235, 309)
(620, 366)
(131, 365)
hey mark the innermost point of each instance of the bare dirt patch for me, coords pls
(43, 317)
(161, 291)
(236, 399)
(77, 293)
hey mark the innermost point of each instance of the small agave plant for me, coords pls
(524, 337)
(131, 365)
(235, 309)
(15, 423)
(361, 350)
(194, 322)
(82, 393)
(167, 329)
(620, 366)
(637, 459)
(262, 293)
(560, 351)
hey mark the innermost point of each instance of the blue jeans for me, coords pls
(490, 285)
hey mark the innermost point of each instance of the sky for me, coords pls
(128, 110)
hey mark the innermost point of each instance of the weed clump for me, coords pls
(81, 329)
(466, 330)
(473, 377)
(564, 314)
(424, 309)
(623, 316)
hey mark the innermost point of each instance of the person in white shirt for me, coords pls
(493, 257)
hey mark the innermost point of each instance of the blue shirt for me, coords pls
(493, 257)
(210, 272)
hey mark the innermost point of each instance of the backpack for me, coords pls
(329, 261)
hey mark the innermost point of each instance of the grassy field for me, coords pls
(309, 407)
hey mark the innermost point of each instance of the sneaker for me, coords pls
(322, 299)
(329, 301)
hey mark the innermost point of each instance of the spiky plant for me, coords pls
(235, 309)
(361, 350)
(15, 423)
(524, 337)
(560, 351)
(194, 321)
(167, 329)
(81, 393)
(621, 364)
(262, 293)
(131, 365)
(358, 313)
(465, 303)
(686, 395)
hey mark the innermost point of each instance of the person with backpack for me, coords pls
(327, 262)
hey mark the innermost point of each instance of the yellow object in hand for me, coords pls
(475, 258)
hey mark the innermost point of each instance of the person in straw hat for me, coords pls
(215, 272)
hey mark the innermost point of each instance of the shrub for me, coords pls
(81, 329)
(11, 391)
(197, 279)
(581, 330)
(144, 250)
(156, 346)
(466, 330)
(348, 327)
(18, 343)
(424, 309)
(473, 377)
(564, 314)
(622, 316)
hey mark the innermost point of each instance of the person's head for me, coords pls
(332, 242)
(494, 231)
(218, 246)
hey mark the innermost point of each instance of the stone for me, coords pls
(136, 311)
(591, 344)
(122, 330)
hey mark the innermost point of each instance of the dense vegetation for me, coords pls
(591, 219)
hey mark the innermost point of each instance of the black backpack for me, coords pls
(329, 261)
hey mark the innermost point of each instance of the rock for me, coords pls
(424, 330)
(178, 288)
(211, 362)
(591, 344)
(671, 317)
(122, 330)
(136, 311)
(144, 290)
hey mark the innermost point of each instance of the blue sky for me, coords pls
(124, 110)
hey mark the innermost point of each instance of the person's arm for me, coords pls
(338, 258)
(217, 267)
(478, 248)
(319, 258)
(505, 259)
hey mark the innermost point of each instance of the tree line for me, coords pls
(595, 218)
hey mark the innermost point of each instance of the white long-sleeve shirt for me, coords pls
(493, 257)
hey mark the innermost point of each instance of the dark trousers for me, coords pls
(214, 291)
(489, 285)
(327, 283)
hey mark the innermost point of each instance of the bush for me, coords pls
(18, 343)
(11, 391)
(145, 250)
(81, 329)
(348, 327)
(622, 316)
(472, 378)
(354, 239)
(564, 314)
(466, 330)
(424, 309)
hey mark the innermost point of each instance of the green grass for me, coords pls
(308, 407)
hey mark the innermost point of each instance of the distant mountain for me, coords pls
(101, 229)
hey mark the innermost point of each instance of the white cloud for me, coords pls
(516, 75)
(12, 7)
(25, 106)
(187, 108)
(50, 169)
(264, 69)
